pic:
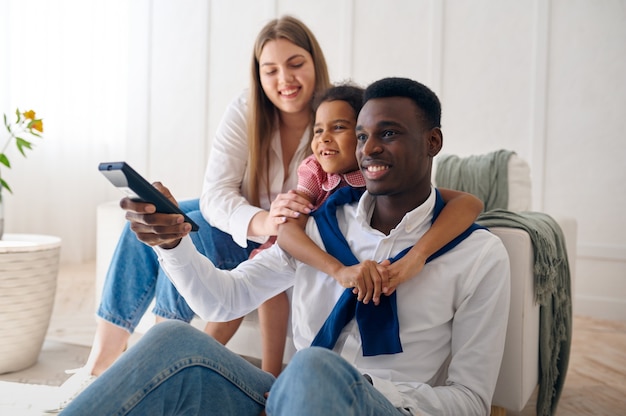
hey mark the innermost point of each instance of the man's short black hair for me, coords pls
(421, 95)
(348, 92)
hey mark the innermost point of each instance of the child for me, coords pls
(333, 165)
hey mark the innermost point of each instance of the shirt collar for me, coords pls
(411, 220)
(333, 180)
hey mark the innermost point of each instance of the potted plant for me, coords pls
(26, 126)
(29, 265)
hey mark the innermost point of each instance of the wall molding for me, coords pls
(538, 101)
(436, 45)
(591, 251)
(139, 98)
(600, 307)
(208, 76)
(348, 37)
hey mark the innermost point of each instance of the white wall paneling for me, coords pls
(436, 30)
(148, 81)
(538, 96)
(585, 173)
(600, 291)
(178, 139)
(139, 89)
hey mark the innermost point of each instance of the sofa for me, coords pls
(519, 374)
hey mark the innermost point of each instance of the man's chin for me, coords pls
(376, 190)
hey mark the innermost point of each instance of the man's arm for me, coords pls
(476, 346)
(212, 293)
(222, 295)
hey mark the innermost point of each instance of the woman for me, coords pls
(259, 144)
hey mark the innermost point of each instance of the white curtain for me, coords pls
(68, 61)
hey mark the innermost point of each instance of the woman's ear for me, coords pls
(435, 141)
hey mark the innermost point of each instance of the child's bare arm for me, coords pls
(460, 211)
(364, 277)
(293, 239)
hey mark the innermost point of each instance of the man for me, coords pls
(443, 359)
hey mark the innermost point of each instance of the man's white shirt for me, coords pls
(452, 315)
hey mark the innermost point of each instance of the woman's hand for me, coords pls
(289, 205)
(152, 228)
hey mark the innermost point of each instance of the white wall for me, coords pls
(544, 78)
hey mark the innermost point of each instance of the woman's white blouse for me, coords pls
(224, 201)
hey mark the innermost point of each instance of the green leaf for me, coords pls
(21, 144)
(5, 185)
(34, 133)
(5, 160)
(19, 116)
(7, 124)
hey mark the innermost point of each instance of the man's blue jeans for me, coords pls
(134, 277)
(176, 369)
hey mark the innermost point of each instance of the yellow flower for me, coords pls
(18, 135)
(36, 125)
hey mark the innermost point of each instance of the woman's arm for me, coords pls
(224, 202)
(460, 211)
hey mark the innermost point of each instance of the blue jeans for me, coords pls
(176, 369)
(134, 277)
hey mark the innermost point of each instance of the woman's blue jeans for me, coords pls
(134, 277)
(176, 369)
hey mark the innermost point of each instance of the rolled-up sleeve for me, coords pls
(224, 201)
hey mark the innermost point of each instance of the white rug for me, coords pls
(26, 392)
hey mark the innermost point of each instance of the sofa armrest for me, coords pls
(519, 372)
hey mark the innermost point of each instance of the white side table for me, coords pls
(29, 265)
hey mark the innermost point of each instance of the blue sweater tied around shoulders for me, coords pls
(378, 324)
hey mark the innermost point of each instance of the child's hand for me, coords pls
(399, 272)
(366, 279)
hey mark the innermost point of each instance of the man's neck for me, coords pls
(390, 210)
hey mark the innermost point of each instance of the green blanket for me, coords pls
(552, 292)
(486, 176)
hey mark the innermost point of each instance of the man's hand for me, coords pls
(155, 229)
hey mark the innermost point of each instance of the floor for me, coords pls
(595, 385)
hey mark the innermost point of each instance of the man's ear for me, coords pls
(435, 141)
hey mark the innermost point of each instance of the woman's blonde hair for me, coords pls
(262, 113)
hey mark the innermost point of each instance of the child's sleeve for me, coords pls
(310, 180)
